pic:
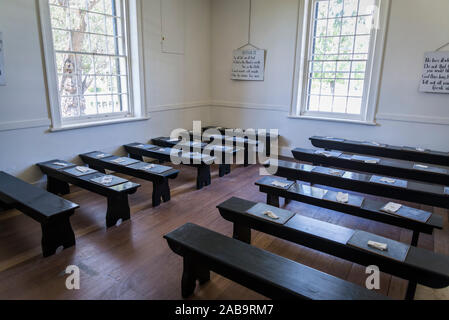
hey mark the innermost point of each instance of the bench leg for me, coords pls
(136, 157)
(242, 233)
(161, 191)
(118, 208)
(57, 187)
(203, 177)
(415, 238)
(55, 233)
(411, 289)
(273, 200)
(191, 273)
(224, 169)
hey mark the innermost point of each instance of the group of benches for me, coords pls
(276, 277)
(54, 212)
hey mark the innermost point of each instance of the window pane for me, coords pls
(338, 55)
(88, 40)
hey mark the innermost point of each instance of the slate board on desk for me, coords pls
(327, 171)
(146, 146)
(310, 191)
(398, 183)
(411, 214)
(115, 181)
(396, 250)
(124, 161)
(289, 184)
(354, 201)
(259, 209)
(57, 167)
(76, 173)
(99, 155)
(157, 169)
(430, 169)
(364, 159)
(328, 154)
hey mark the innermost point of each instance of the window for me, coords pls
(90, 59)
(341, 54)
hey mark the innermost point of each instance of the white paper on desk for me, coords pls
(342, 197)
(388, 180)
(149, 167)
(378, 245)
(100, 156)
(119, 160)
(82, 169)
(421, 166)
(60, 164)
(106, 179)
(280, 184)
(391, 207)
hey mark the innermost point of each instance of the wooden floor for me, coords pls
(133, 261)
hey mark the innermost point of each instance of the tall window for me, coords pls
(91, 58)
(339, 58)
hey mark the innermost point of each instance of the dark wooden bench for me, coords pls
(157, 174)
(419, 266)
(382, 150)
(52, 212)
(227, 153)
(413, 191)
(385, 166)
(268, 136)
(138, 151)
(268, 274)
(59, 177)
(366, 208)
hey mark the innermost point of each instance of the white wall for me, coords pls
(405, 116)
(177, 89)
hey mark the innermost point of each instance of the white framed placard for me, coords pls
(435, 78)
(248, 65)
(2, 62)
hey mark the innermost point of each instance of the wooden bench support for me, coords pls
(242, 232)
(224, 169)
(191, 273)
(57, 232)
(57, 187)
(118, 208)
(161, 191)
(203, 177)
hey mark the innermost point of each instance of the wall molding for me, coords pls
(246, 105)
(179, 106)
(413, 118)
(25, 124)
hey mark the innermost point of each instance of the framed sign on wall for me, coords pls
(435, 78)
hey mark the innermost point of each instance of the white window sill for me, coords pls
(360, 122)
(96, 124)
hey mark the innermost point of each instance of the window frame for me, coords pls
(132, 30)
(372, 75)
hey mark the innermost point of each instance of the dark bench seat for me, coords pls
(385, 166)
(419, 266)
(139, 150)
(266, 273)
(383, 150)
(227, 153)
(158, 175)
(58, 180)
(51, 211)
(413, 191)
(368, 208)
